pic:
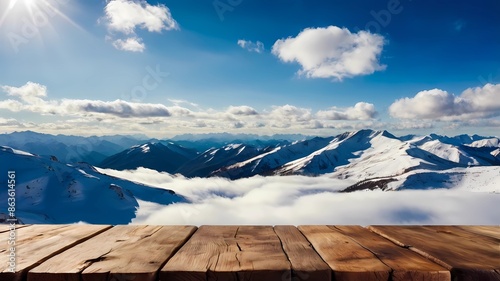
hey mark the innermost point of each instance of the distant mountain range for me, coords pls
(94, 150)
(364, 154)
(363, 160)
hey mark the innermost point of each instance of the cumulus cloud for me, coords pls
(118, 108)
(242, 110)
(126, 117)
(299, 200)
(332, 52)
(250, 46)
(10, 122)
(288, 115)
(127, 16)
(360, 111)
(485, 99)
(132, 44)
(291, 112)
(31, 98)
(436, 104)
(121, 114)
(30, 93)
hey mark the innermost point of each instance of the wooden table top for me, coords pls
(260, 253)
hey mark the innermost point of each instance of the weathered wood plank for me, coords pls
(121, 253)
(465, 235)
(6, 227)
(229, 253)
(38, 243)
(466, 258)
(306, 263)
(406, 265)
(348, 260)
(490, 231)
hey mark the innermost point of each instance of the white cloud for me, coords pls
(298, 200)
(179, 111)
(408, 125)
(287, 116)
(31, 99)
(178, 102)
(485, 99)
(437, 104)
(127, 117)
(332, 52)
(242, 110)
(126, 16)
(360, 111)
(159, 120)
(31, 92)
(10, 122)
(118, 108)
(250, 46)
(12, 105)
(132, 44)
(291, 112)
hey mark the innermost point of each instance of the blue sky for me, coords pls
(284, 66)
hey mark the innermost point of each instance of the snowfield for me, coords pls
(48, 191)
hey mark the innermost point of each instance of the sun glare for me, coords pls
(39, 12)
(27, 3)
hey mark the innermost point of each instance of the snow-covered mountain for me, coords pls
(49, 191)
(92, 150)
(364, 158)
(166, 157)
(366, 154)
(216, 158)
(339, 152)
(356, 155)
(268, 161)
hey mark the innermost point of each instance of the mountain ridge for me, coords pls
(45, 187)
(359, 154)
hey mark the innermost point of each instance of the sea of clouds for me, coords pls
(299, 200)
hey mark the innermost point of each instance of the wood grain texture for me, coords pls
(306, 263)
(348, 260)
(464, 235)
(467, 256)
(121, 253)
(38, 243)
(229, 253)
(6, 227)
(490, 231)
(405, 264)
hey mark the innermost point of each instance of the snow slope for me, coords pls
(48, 191)
(490, 142)
(341, 151)
(482, 179)
(153, 155)
(476, 154)
(216, 158)
(267, 162)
